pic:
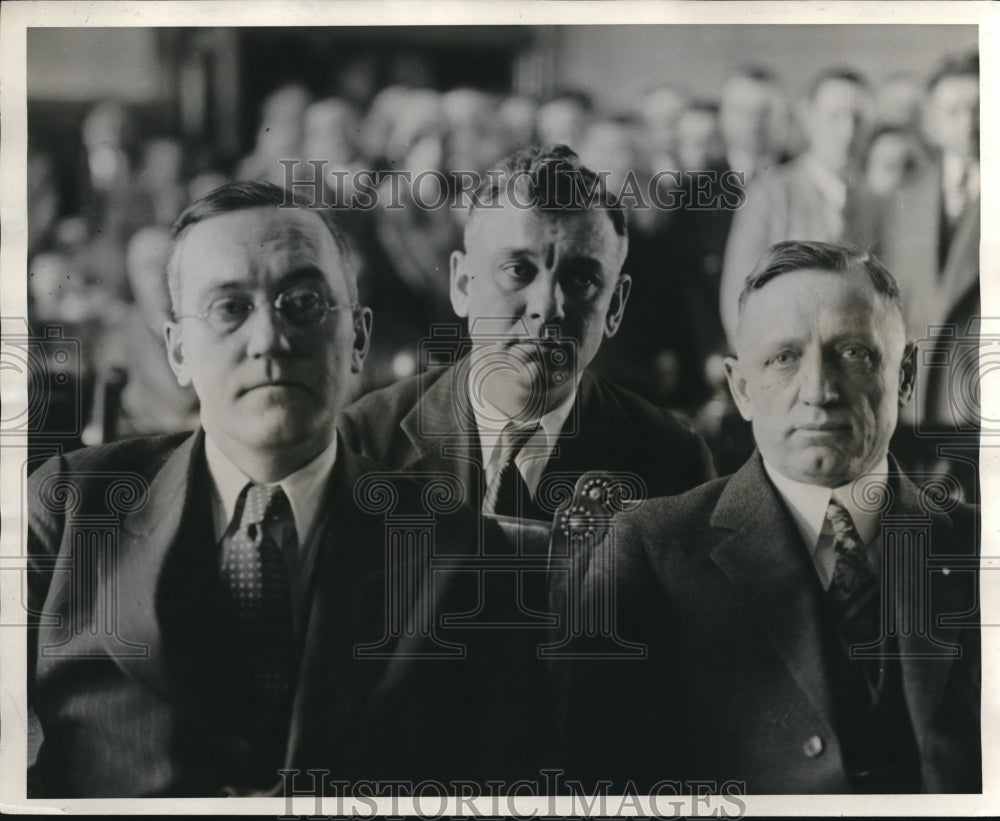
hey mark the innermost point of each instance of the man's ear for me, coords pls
(173, 338)
(460, 279)
(362, 338)
(907, 373)
(738, 387)
(616, 310)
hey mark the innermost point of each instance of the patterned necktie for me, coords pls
(854, 588)
(507, 486)
(254, 573)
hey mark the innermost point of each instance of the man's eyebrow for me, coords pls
(304, 272)
(516, 251)
(586, 264)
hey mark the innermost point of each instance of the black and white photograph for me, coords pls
(502, 409)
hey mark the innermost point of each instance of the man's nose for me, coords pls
(546, 300)
(817, 380)
(266, 332)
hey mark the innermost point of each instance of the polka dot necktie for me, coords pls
(256, 578)
(507, 486)
(854, 587)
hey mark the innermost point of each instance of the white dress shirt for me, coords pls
(808, 504)
(305, 491)
(534, 456)
(960, 183)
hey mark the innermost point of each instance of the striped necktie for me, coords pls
(507, 488)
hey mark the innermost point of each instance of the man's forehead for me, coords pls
(812, 294)
(253, 242)
(533, 229)
(957, 85)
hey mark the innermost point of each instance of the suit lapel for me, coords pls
(148, 537)
(925, 665)
(441, 428)
(347, 608)
(763, 557)
(961, 268)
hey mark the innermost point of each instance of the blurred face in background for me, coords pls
(610, 146)
(953, 115)
(698, 140)
(898, 101)
(661, 109)
(517, 115)
(745, 113)
(892, 158)
(563, 120)
(837, 121)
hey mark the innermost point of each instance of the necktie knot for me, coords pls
(507, 490)
(512, 440)
(263, 504)
(845, 534)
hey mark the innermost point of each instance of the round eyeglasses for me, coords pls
(300, 308)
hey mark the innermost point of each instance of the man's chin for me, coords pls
(823, 466)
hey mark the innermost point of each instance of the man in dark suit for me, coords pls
(211, 607)
(517, 416)
(929, 234)
(810, 621)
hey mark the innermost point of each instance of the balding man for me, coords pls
(208, 640)
(810, 621)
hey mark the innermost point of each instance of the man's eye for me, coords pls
(518, 270)
(230, 308)
(781, 359)
(855, 353)
(302, 301)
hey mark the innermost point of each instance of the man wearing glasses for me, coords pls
(242, 575)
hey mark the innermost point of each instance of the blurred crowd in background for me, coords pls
(98, 273)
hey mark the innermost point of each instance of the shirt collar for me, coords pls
(304, 487)
(954, 167)
(808, 503)
(490, 424)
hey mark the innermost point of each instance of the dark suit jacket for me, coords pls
(426, 423)
(150, 708)
(936, 288)
(719, 587)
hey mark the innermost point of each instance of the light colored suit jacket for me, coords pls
(787, 204)
(909, 244)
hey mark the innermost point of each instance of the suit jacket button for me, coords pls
(813, 747)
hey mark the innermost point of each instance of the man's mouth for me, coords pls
(822, 427)
(273, 384)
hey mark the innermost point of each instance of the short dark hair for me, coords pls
(957, 65)
(241, 196)
(834, 257)
(757, 73)
(555, 181)
(845, 75)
